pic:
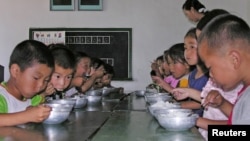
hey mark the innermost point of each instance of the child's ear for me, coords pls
(14, 70)
(235, 58)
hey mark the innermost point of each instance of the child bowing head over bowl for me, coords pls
(31, 66)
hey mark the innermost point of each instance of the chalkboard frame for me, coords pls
(128, 31)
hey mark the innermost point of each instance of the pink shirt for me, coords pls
(215, 113)
(171, 81)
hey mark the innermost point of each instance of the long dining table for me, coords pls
(118, 117)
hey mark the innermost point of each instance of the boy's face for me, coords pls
(32, 80)
(61, 78)
(220, 65)
(83, 67)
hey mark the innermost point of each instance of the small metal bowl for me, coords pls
(140, 93)
(106, 91)
(81, 101)
(154, 109)
(63, 101)
(97, 92)
(59, 113)
(177, 119)
(152, 98)
(92, 99)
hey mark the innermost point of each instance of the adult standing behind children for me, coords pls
(224, 46)
(194, 10)
(31, 65)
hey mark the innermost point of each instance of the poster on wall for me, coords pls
(50, 37)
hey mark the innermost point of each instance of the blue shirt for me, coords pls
(197, 84)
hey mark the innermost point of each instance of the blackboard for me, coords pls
(113, 45)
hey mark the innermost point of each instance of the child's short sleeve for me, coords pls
(3, 105)
(36, 100)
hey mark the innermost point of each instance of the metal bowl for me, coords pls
(59, 113)
(81, 101)
(139, 93)
(69, 101)
(106, 91)
(152, 98)
(92, 99)
(162, 106)
(177, 119)
(97, 92)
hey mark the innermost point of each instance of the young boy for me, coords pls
(31, 65)
(224, 46)
(63, 73)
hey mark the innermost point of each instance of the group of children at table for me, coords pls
(38, 71)
(208, 72)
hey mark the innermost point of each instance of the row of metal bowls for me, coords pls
(172, 118)
(61, 108)
(102, 92)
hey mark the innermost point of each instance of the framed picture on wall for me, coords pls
(94, 5)
(61, 5)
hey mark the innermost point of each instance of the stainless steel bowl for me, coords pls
(92, 99)
(97, 92)
(154, 108)
(177, 119)
(139, 93)
(81, 101)
(106, 91)
(59, 113)
(69, 101)
(152, 98)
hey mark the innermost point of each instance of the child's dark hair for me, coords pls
(29, 52)
(209, 16)
(79, 55)
(165, 55)
(195, 4)
(160, 58)
(109, 69)
(191, 33)
(225, 29)
(63, 56)
(176, 53)
(96, 62)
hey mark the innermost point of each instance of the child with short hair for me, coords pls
(96, 72)
(82, 70)
(224, 46)
(63, 73)
(31, 65)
